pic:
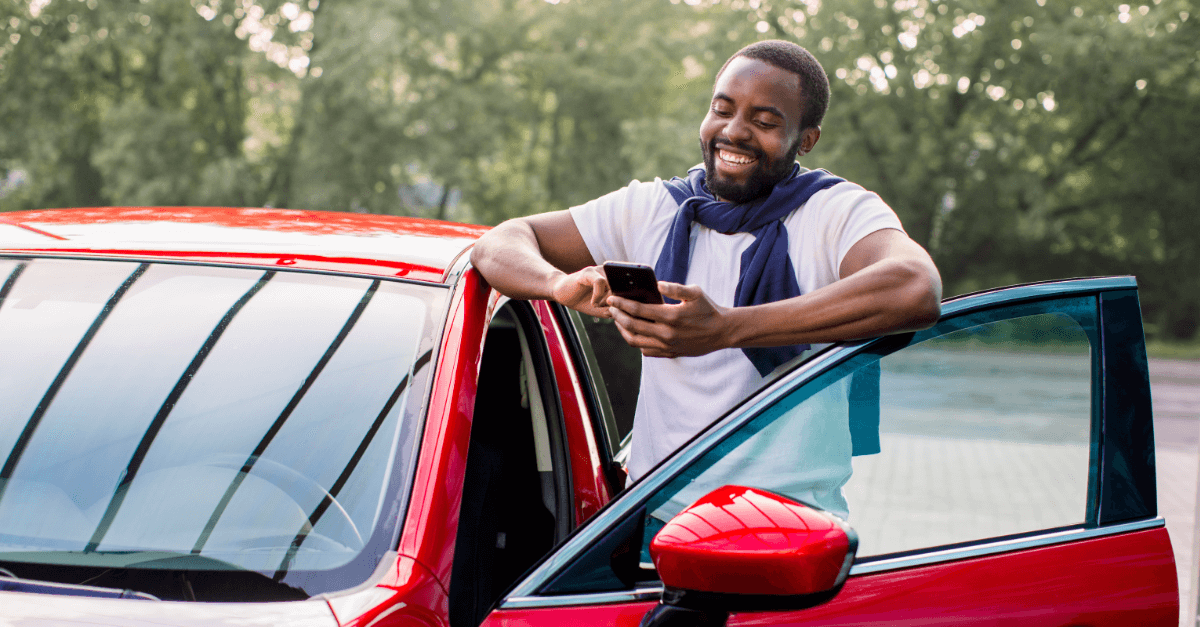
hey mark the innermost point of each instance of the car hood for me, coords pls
(23, 607)
(393, 246)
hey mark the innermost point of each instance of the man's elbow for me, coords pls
(920, 299)
(480, 253)
(485, 252)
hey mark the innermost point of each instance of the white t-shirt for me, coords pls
(681, 396)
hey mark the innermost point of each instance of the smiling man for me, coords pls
(760, 258)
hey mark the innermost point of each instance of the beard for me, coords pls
(762, 179)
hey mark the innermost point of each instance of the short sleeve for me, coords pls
(849, 214)
(614, 226)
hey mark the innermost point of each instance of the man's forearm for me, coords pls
(510, 259)
(887, 297)
(542, 257)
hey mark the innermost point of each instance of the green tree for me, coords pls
(513, 106)
(1018, 140)
(129, 102)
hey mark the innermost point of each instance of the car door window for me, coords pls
(621, 366)
(613, 370)
(984, 430)
(982, 427)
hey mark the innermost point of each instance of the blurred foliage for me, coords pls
(1173, 349)
(1017, 139)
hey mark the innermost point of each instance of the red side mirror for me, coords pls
(744, 549)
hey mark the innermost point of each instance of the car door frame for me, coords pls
(1124, 394)
(613, 448)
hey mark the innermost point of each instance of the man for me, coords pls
(805, 257)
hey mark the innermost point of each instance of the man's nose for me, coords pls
(737, 130)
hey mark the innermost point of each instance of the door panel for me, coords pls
(1032, 588)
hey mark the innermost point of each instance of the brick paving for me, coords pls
(1177, 503)
(927, 491)
(1175, 387)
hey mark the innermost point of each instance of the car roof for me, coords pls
(412, 248)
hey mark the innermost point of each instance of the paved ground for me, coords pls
(1175, 386)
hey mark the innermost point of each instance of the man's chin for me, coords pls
(736, 193)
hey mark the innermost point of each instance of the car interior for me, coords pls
(516, 494)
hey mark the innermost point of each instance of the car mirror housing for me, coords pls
(746, 549)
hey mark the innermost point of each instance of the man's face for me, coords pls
(751, 135)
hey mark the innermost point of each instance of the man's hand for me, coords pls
(542, 257)
(695, 326)
(585, 291)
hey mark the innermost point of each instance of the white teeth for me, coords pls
(735, 159)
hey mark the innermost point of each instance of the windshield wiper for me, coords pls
(16, 584)
(170, 575)
(159, 560)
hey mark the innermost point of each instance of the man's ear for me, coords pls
(808, 139)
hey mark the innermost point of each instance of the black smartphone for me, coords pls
(635, 281)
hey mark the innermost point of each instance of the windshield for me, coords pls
(195, 418)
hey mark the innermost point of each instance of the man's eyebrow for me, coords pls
(766, 109)
(772, 110)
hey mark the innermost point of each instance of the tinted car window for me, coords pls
(620, 365)
(232, 418)
(984, 430)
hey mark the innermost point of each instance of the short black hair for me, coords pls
(785, 55)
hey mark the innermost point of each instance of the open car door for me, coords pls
(997, 468)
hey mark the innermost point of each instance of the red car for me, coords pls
(255, 416)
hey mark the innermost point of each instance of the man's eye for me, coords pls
(720, 111)
(767, 125)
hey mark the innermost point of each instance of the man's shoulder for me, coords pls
(843, 196)
(841, 210)
(637, 196)
(628, 224)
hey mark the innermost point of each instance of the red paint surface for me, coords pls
(31, 229)
(341, 242)
(587, 470)
(311, 222)
(1117, 581)
(432, 519)
(408, 594)
(377, 267)
(742, 540)
(617, 615)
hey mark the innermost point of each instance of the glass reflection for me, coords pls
(250, 418)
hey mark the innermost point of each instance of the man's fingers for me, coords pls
(580, 291)
(633, 323)
(632, 307)
(668, 330)
(680, 292)
(641, 334)
(631, 338)
(600, 292)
